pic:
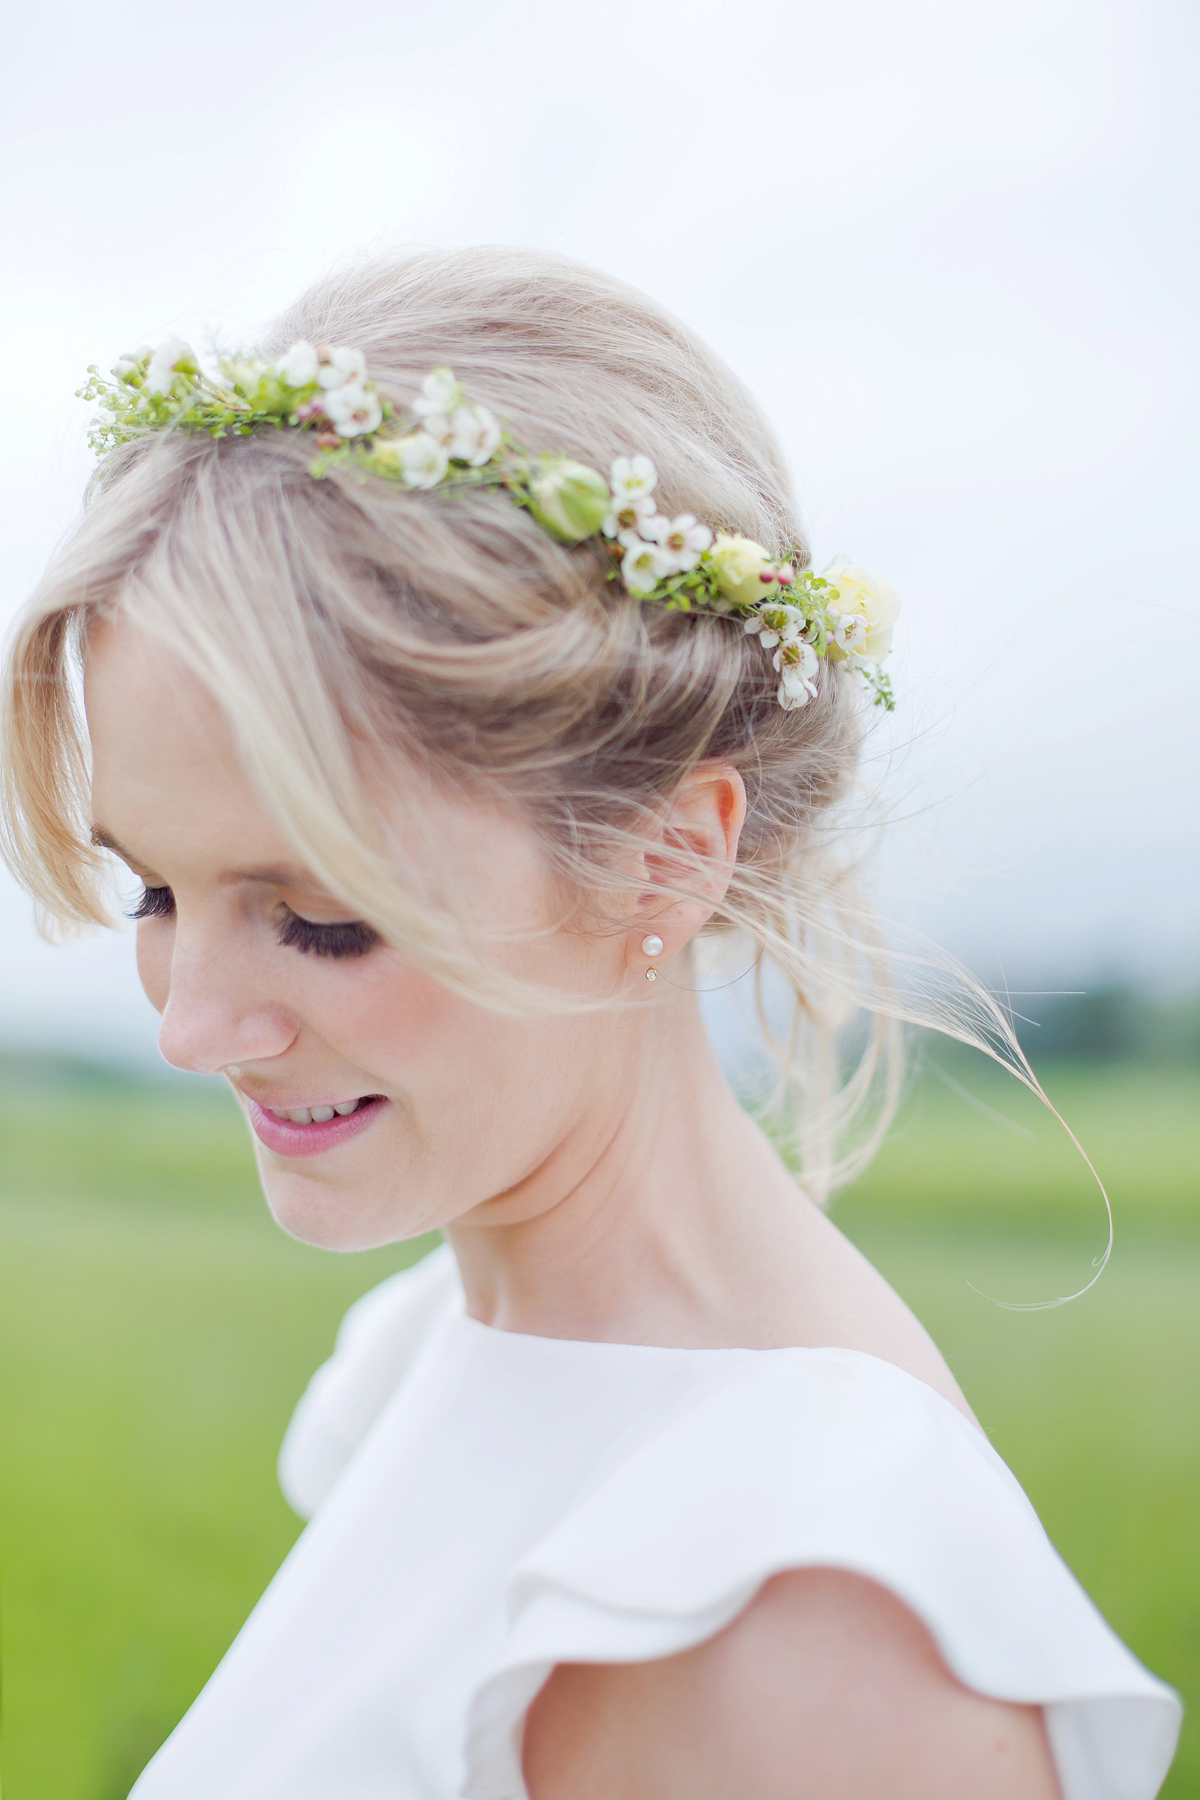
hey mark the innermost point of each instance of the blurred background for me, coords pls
(953, 252)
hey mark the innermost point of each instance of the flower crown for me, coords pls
(444, 440)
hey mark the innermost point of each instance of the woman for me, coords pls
(437, 725)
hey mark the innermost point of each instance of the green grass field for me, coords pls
(156, 1329)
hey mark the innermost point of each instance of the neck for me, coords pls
(655, 1217)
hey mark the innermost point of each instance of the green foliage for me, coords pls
(249, 395)
(168, 390)
(879, 682)
(156, 1330)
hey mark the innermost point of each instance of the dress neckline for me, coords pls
(595, 1347)
(501, 1334)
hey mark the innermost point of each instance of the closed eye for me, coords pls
(155, 903)
(352, 937)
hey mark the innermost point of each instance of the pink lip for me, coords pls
(286, 1139)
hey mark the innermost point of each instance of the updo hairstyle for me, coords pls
(351, 629)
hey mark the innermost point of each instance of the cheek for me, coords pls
(155, 939)
(379, 1013)
(407, 1029)
(460, 1067)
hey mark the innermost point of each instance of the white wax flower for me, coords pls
(683, 541)
(160, 376)
(849, 631)
(299, 367)
(859, 591)
(632, 478)
(440, 394)
(474, 435)
(353, 410)
(339, 367)
(643, 565)
(797, 666)
(437, 425)
(739, 563)
(421, 460)
(776, 623)
(628, 515)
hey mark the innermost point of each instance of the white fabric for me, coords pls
(486, 1505)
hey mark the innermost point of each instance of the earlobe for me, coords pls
(688, 864)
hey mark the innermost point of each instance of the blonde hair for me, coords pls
(340, 622)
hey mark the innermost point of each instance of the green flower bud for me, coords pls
(570, 500)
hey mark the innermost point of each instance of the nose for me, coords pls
(217, 1011)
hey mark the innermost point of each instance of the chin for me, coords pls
(315, 1213)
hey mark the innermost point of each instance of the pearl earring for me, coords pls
(652, 945)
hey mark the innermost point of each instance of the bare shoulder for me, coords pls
(825, 1688)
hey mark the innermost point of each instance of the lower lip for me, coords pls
(287, 1139)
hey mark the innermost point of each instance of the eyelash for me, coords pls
(155, 903)
(349, 938)
(353, 938)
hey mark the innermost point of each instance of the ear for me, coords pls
(694, 849)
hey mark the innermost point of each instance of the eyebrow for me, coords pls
(276, 875)
(104, 840)
(284, 876)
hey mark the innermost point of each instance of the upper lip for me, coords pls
(284, 1104)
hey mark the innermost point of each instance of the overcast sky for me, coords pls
(951, 248)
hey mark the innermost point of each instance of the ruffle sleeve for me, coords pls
(376, 1343)
(830, 1459)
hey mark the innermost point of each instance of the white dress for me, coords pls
(485, 1505)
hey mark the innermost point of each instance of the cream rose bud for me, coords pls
(570, 500)
(244, 373)
(739, 562)
(860, 591)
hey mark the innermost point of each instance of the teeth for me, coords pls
(315, 1115)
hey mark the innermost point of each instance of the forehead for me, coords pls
(165, 768)
(170, 789)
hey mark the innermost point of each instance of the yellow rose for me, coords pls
(861, 592)
(739, 561)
